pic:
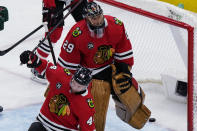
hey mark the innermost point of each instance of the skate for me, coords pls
(38, 78)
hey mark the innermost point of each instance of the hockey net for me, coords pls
(164, 40)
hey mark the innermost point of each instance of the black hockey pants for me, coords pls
(36, 126)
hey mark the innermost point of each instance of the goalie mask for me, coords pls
(95, 19)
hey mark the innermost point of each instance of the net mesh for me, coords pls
(160, 48)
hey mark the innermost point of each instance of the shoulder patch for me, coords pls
(117, 21)
(90, 103)
(77, 32)
(67, 71)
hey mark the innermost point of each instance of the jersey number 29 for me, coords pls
(68, 47)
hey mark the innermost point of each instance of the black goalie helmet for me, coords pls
(92, 9)
(95, 19)
(83, 76)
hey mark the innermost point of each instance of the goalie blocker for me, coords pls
(130, 108)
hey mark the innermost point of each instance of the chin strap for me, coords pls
(81, 92)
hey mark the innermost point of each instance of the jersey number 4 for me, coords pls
(68, 47)
(90, 120)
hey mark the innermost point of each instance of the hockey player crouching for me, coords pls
(69, 104)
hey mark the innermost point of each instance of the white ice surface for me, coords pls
(21, 97)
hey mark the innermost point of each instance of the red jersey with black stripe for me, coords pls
(80, 48)
(51, 3)
(63, 110)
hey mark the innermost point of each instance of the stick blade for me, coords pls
(2, 53)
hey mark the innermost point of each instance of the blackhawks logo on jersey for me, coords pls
(90, 103)
(103, 54)
(117, 21)
(76, 32)
(67, 71)
(59, 105)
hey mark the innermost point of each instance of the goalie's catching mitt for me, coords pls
(121, 81)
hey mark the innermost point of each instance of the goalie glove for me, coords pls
(121, 79)
(31, 59)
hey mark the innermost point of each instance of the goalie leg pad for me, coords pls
(122, 111)
(140, 117)
(101, 93)
(131, 109)
(46, 92)
(131, 98)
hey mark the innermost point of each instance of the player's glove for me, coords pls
(121, 77)
(31, 59)
(49, 16)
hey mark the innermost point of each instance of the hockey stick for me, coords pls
(62, 10)
(3, 52)
(49, 40)
(52, 51)
(49, 33)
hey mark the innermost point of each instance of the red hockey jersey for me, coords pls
(80, 48)
(51, 3)
(63, 110)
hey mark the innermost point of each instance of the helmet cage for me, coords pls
(92, 10)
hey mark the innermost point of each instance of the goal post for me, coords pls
(178, 31)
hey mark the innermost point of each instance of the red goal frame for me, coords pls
(190, 31)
